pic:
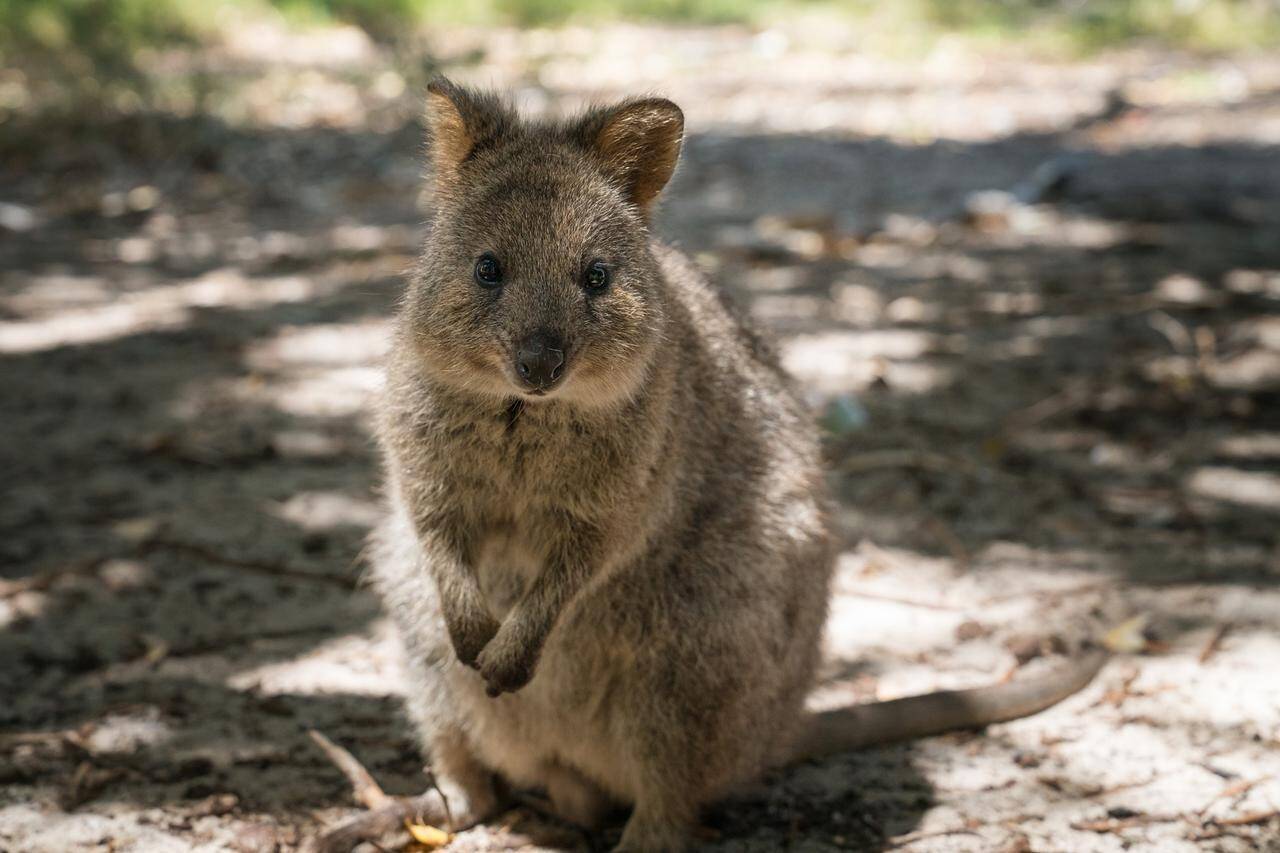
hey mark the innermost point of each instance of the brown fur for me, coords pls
(636, 561)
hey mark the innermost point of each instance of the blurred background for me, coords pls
(1023, 258)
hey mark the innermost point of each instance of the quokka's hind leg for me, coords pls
(468, 787)
(668, 779)
(575, 798)
(661, 823)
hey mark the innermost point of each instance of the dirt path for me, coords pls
(1044, 418)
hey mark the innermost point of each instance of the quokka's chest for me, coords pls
(531, 466)
(507, 561)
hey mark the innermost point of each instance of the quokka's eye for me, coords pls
(488, 271)
(596, 276)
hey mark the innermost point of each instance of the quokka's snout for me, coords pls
(540, 361)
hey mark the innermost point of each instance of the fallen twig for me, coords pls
(959, 553)
(366, 789)
(925, 459)
(1073, 396)
(1115, 696)
(1216, 832)
(1218, 771)
(89, 565)
(374, 824)
(1124, 786)
(1235, 789)
(1219, 827)
(1115, 824)
(1091, 586)
(386, 814)
(970, 828)
(1211, 647)
(43, 580)
(277, 569)
(1248, 819)
(86, 783)
(1173, 331)
(898, 599)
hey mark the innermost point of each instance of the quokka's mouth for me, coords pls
(540, 391)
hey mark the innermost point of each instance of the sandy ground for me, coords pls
(1049, 408)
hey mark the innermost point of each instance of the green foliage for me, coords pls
(383, 20)
(105, 36)
(686, 11)
(388, 18)
(1091, 25)
(1087, 24)
(102, 34)
(83, 56)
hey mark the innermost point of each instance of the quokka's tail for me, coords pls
(859, 726)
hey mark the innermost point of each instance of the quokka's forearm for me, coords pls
(509, 661)
(462, 602)
(466, 615)
(538, 610)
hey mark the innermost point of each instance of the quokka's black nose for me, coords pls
(540, 360)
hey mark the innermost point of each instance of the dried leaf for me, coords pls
(156, 649)
(428, 836)
(1128, 636)
(138, 529)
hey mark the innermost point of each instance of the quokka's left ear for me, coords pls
(638, 143)
(460, 121)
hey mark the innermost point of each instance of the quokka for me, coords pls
(606, 546)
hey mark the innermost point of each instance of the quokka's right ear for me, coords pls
(638, 143)
(460, 122)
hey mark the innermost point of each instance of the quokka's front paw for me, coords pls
(507, 663)
(470, 636)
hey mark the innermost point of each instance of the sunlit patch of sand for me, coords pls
(354, 664)
(330, 344)
(324, 510)
(154, 309)
(1232, 485)
(852, 360)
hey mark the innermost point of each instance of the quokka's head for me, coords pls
(537, 279)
